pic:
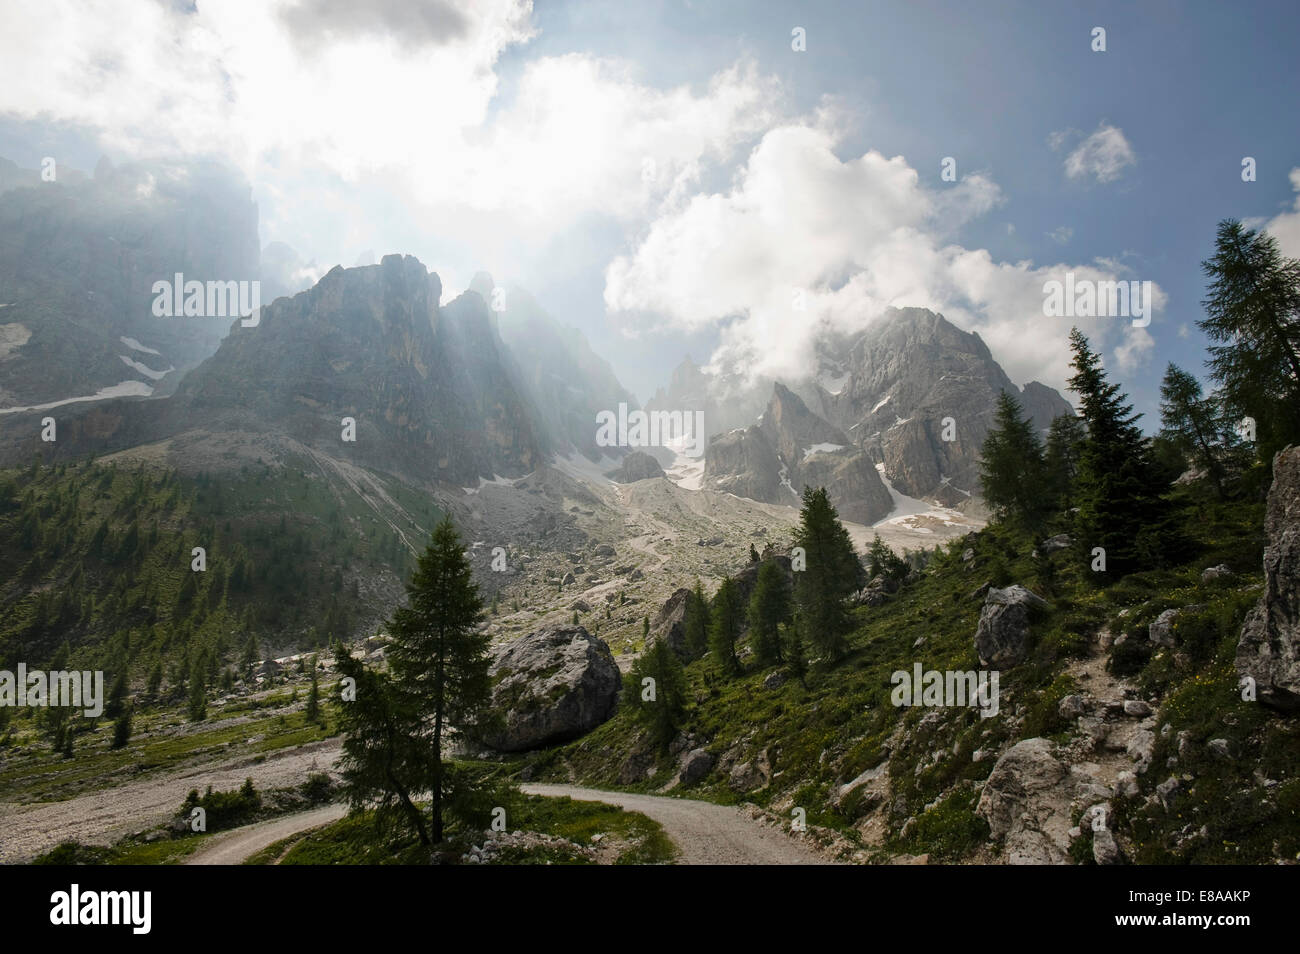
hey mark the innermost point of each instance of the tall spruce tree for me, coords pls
(727, 619)
(1252, 313)
(1061, 459)
(697, 623)
(198, 699)
(769, 608)
(661, 705)
(1118, 492)
(439, 657)
(313, 696)
(833, 573)
(1194, 424)
(1012, 471)
(385, 762)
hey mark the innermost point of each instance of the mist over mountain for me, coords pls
(78, 261)
(891, 390)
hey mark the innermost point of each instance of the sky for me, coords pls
(720, 179)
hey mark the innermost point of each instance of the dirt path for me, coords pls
(237, 846)
(707, 834)
(105, 816)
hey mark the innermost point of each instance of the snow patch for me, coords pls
(834, 384)
(496, 481)
(580, 468)
(125, 389)
(785, 481)
(822, 449)
(147, 371)
(136, 346)
(907, 510)
(881, 403)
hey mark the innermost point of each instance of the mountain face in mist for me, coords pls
(566, 382)
(889, 388)
(428, 386)
(892, 385)
(791, 448)
(78, 259)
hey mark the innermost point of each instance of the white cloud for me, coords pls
(1102, 156)
(328, 106)
(1061, 234)
(1285, 227)
(857, 235)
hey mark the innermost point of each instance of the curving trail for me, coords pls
(237, 846)
(706, 834)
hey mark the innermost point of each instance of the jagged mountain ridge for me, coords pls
(432, 398)
(791, 448)
(889, 387)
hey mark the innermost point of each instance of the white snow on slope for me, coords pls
(495, 481)
(822, 449)
(578, 467)
(881, 403)
(147, 371)
(907, 509)
(136, 346)
(125, 389)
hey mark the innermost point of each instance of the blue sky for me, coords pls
(513, 139)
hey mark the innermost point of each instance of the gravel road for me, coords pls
(105, 816)
(707, 834)
(235, 847)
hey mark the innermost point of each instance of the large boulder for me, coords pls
(1002, 638)
(638, 465)
(1029, 800)
(670, 623)
(551, 686)
(1269, 648)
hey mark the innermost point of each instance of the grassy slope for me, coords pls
(826, 735)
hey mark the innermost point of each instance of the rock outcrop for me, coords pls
(551, 686)
(638, 465)
(1029, 799)
(1002, 638)
(791, 448)
(670, 623)
(1269, 649)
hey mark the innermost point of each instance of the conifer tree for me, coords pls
(769, 608)
(725, 624)
(659, 706)
(385, 758)
(439, 656)
(1061, 460)
(1011, 466)
(1117, 488)
(697, 623)
(1252, 313)
(833, 573)
(1193, 423)
(795, 654)
(122, 729)
(313, 696)
(198, 701)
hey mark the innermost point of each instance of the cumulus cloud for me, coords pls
(1103, 156)
(844, 239)
(402, 95)
(1285, 227)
